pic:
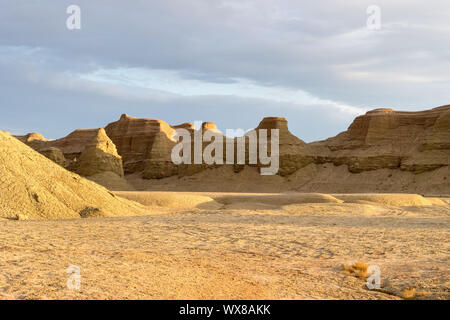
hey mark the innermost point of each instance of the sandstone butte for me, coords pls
(382, 139)
(84, 151)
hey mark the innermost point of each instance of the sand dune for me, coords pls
(281, 201)
(174, 200)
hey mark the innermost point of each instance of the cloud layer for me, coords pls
(231, 62)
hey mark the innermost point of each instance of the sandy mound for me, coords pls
(445, 200)
(389, 199)
(34, 187)
(275, 199)
(336, 209)
(438, 202)
(171, 200)
(251, 206)
(111, 181)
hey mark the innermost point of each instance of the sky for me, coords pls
(229, 62)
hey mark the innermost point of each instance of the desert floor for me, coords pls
(241, 246)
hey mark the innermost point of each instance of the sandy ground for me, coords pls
(235, 246)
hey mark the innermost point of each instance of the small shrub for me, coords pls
(90, 212)
(357, 269)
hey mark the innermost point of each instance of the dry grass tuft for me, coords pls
(357, 269)
(411, 293)
(422, 293)
(21, 216)
(91, 212)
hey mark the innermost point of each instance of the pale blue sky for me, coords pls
(229, 62)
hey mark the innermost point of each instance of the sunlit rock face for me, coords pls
(384, 138)
(381, 139)
(294, 153)
(100, 155)
(84, 151)
(135, 140)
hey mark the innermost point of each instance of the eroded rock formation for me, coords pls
(84, 151)
(384, 138)
(294, 153)
(134, 139)
(100, 155)
(55, 155)
(158, 163)
(73, 144)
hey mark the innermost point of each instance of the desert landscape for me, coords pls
(111, 202)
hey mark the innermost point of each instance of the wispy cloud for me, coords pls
(171, 83)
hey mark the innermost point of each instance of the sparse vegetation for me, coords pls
(412, 293)
(357, 269)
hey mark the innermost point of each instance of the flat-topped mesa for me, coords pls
(34, 136)
(125, 116)
(187, 125)
(134, 138)
(385, 138)
(274, 123)
(280, 123)
(74, 143)
(380, 111)
(293, 152)
(34, 140)
(209, 126)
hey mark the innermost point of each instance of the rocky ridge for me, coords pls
(415, 142)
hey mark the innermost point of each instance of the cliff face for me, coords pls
(135, 138)
(73, 144)
(384, 138)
